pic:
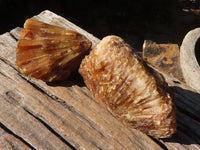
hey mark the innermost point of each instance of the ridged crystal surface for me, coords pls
(120, 80)
(49, 52)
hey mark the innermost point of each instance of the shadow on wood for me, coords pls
(74, 79)
(188, 109)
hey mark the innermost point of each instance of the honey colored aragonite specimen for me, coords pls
(49, 52)
(133, 93)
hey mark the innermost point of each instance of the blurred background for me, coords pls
(162, 21)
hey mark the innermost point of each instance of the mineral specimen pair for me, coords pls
(116, 76)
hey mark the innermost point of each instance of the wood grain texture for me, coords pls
(65, 114)
(15, 116)
(9, 142)
(64, 108)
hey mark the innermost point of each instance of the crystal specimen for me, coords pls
(131, 91)
(49, 52)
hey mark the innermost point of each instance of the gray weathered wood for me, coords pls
(188, 60)
(10, 142)
(14, 115)
(67, 111)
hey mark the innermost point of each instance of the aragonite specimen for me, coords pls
(49, 52)
(131, 91)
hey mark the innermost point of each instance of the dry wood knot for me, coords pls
(13, 97)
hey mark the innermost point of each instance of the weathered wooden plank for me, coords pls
(8, 47)
(76, 120)
(18, 120)
(70, 110)
(10, 142)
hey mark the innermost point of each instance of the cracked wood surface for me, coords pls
(64, 115)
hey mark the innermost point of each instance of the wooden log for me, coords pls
(15, 116)
(8, 141)
(68, 111)
(82, 122)
(189, 64)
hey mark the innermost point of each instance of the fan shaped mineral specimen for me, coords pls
(49, 52)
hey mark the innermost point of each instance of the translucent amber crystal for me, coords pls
(120, 80)
(49, 52)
